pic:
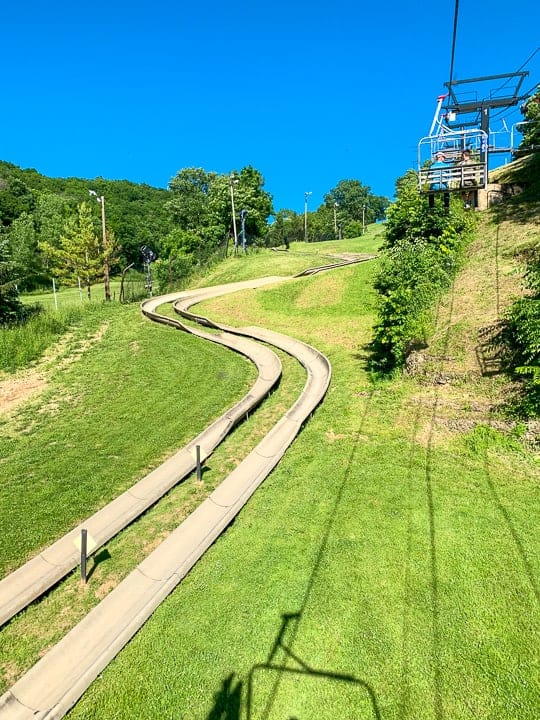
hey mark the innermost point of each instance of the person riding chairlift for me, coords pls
(440, 181)
(467, 195)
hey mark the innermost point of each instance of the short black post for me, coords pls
(198, 460)
(84, 535)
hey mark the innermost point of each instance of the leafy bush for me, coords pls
(531, 112)
(11, 308)
(424, 253)
(521, 337)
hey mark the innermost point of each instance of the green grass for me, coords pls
(385, 548)
(22, 344)
(115, 405)
(300, 256)
(406, 566)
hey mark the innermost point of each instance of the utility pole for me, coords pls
(336, 205)
(106, 269)
(306, 197)
(233, 182)
(243, 214)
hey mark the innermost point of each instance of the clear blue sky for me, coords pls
(309, 93)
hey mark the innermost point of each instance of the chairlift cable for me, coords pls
(505, 112)
(528, 60)
(456, 13)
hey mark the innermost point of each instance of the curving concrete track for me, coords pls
(35, 577)
(57, 681)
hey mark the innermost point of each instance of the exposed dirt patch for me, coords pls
(460, 373)
(353, 256)
(83, 345)
(16, 390)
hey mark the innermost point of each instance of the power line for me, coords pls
(527, 61)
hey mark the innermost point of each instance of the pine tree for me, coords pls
(78, 255)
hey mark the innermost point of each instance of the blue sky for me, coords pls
(309, 93)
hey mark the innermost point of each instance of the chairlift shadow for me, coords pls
(227, 702)
(274, 667)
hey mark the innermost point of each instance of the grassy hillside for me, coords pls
(388, 568)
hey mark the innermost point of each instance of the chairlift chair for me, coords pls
(453, 176)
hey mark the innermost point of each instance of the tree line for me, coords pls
(52, 227)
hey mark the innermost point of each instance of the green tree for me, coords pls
(26, 258)
(521, 337)
(15, 198)
(201, 204)
(252, 196)
(288, 227)
(109, 252)
(425, 248)
(531, 131)
(321, 224)
(50, 214)
(356, 202)
(78, 256)
(249, 195)
(11, 308)
(188, 205)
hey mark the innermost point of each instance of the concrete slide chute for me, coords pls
(55, 683)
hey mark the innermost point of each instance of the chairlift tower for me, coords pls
(462, 122)
(471, 106)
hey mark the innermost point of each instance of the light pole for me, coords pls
(234, 181)
(306, 196)
(336, 205)
(106, 274)
(363, 219)
(243, 214)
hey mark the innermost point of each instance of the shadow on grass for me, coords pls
(520, 549)
(430, 503)
(98, 558)
(279, 666)
(227, 701)
(291, 622)
(282, 661)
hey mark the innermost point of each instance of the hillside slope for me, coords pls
(461, 361)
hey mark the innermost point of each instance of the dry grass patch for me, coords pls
(332, 436)
(17, 389)
(329, 289)
(82, 346)
(442, 414)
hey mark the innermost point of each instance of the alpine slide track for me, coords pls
(54, 684)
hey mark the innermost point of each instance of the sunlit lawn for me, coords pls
(386, 569)
(383, 571)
